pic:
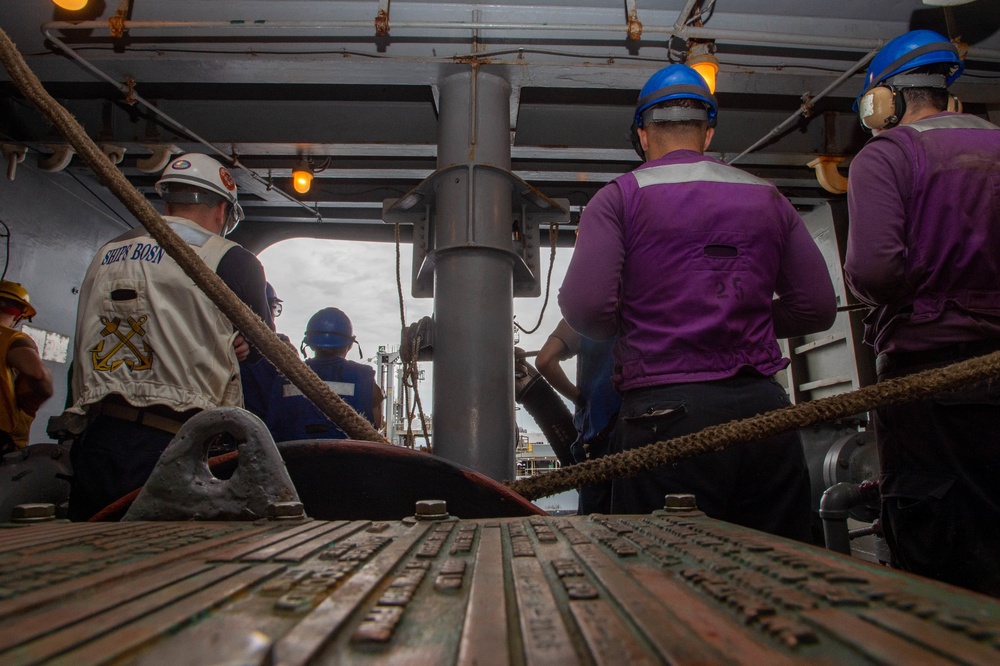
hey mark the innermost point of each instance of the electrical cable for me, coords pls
(95, 195)
(708, 9)
(411, 375)
(553, 236)
(6, 253)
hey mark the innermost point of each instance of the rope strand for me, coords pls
(715, 438)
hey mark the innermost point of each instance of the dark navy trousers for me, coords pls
(763, 485)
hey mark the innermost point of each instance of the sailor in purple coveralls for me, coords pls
(698, 268)
(924, 251)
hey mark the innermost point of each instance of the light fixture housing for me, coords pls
(701, 58)
(72, 5)
(302, 176)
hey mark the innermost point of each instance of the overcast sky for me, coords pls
(360, 279)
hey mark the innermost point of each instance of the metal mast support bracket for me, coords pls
(530, 208)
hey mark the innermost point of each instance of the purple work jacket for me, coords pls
(682, 258)
(924, 240)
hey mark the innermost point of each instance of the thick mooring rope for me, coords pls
(715, 438)
(245, 320)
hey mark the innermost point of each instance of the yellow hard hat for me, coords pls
(16, 292)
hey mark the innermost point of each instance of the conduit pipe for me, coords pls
(14, 156)
(807, 104)
(685, 32)
(834, 510)
(827, 174)
(678, 29)
(60, 158)
(681, 23)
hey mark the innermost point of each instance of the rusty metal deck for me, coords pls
(673, 588)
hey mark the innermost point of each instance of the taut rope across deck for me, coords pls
(715, 438)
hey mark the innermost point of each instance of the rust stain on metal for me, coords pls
(634, 27)
(116, 24)
(130, 92)
(382, 23)
(475, 61)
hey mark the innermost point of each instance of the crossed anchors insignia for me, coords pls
(143, 359)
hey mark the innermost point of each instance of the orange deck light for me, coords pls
(302, 176)
(71, 5)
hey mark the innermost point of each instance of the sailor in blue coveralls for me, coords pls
(258, 378)
(291, 416)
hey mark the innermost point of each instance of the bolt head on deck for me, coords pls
(33, 513)
(285, 511)
(431, 510)
(680, 502)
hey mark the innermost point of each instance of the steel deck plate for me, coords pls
(675, 588)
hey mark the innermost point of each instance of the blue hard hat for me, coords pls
(917, 48)
(329, 328)
(675, 82)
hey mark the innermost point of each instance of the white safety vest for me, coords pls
(145, 331)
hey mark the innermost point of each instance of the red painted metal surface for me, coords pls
(352, 480)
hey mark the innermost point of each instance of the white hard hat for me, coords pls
(205, 173)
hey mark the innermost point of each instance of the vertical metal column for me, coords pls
(473, 278)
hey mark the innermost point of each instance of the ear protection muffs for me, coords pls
(881, 107)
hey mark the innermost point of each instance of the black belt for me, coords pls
(894, 361)
(153, 417)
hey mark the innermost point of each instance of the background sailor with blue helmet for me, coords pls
(258, 377)
(697, 268)
(924, 251)
(151, 349)
(291, 416)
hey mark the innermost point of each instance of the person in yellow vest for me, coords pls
(25, 382)
(151, 349)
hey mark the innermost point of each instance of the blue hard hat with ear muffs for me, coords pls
(917, 48)
(672, 83)
(880, 106)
